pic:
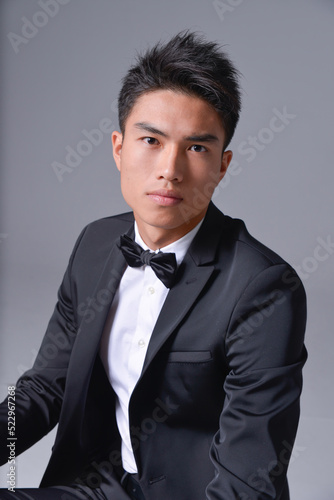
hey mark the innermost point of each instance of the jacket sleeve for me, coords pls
(39, 391)
(265, 354)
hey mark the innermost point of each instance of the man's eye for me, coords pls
(151, 141)
(198, 149)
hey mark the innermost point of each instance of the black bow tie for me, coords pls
(163, 264)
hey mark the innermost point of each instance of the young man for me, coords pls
(177, 364)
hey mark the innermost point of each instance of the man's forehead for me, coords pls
(149, 100)
(158, 110)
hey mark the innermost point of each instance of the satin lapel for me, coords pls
(91, 328)
(178, 302)
(193, 275)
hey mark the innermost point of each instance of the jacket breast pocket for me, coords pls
(189, 356)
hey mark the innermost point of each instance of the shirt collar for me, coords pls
(179, 247)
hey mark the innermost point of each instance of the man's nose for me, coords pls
(171, 164)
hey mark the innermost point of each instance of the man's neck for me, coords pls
(156, 237)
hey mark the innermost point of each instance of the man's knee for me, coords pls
(42, 494)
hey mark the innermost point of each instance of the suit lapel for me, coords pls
(90, 330)
(192, 276)
(178, 302)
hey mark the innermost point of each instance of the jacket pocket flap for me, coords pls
(189, 356)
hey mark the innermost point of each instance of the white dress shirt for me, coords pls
(127, 332)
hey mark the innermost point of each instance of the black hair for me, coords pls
(189, 64)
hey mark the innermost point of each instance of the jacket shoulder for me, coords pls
(113, 222)
(98, 237)
(250, 244)
(235, 239)
(108, 228)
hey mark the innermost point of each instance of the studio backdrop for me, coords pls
(62, 62)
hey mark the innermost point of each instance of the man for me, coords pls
(176, 366)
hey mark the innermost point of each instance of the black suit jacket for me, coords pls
(215, 411)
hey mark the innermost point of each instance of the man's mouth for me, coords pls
(165, 197)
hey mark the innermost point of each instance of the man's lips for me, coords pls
(165, 197)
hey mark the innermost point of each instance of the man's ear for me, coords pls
(117, 141)
(226, 160)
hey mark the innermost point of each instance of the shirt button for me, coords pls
(151, 290)
(141, 343)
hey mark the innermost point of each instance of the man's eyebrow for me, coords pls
(202, 138)
(149, 128)
(191, 138)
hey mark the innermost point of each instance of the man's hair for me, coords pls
(188, 64)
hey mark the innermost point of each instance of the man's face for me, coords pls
(170, 160)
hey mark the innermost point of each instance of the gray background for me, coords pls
(66, 78)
